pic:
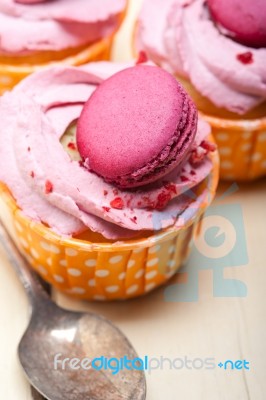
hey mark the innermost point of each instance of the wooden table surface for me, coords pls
(216, 310)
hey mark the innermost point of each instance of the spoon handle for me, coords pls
(28, 278)
(36, 395)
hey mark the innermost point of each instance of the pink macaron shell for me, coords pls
(130, 124)
(243, 20)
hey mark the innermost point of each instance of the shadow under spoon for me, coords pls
(58, 346)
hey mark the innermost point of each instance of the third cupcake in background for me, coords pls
(217, 49)
(35, 33)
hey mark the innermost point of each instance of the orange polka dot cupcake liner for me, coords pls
(108, 271)
(242, 147)
(13, 70)
(11, 74)
(241, 141)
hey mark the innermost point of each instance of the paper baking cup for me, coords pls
(13, 72)
(10, 75)
(242, 147)
(108, 271)
(241, 140)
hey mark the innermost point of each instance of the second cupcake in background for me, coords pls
(109, 212)
(38, 33)
(217, 49)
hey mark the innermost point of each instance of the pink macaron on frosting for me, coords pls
(242, 20)
(52, 187)
(28, 26)
(137, 127)
(187, 38)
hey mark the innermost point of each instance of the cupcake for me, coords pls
(217, 50)
(38, 33)
(106, 172)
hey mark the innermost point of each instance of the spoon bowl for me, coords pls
(73, 355)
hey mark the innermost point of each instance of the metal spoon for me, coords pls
(36, 395)
(54, 333)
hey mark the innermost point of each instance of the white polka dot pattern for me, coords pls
(242, 153)
(97, 275)
(115, 259)
(90, 263)
(58, 278)
(112, 289)
(74, 271)
(71, 252)
(152, 262)
(132, 289)
(102, 273)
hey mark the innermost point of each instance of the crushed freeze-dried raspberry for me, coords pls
(197, 156)
(162, 199)
(142, 58)
(208, 145)
(48, 187)
(107, 209)
(245, 58)
(115, 191)
(134, 220)
(171, 187)
(117, 203)
(184, 178)
(72, 146)
(32, 174)
(105, 192)
(28, 148)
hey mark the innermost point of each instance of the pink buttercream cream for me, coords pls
(181, 36)
(50, 187)
(55, 25)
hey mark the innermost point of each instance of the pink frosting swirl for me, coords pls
(51, 187)
(55, 25)
(181, 36)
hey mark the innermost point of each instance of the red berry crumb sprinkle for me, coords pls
(48, 187)
(184, 178)
(117, 203)
(107, 209)
(208, 145)
(105, 192)
(71, 146)
(162, 199)
(32, 174)
(171, 187)
(142, 58)
(28, 148)
(134, 220)
(245, 58)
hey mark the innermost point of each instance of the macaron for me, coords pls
(137, 126)
(243, 20)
